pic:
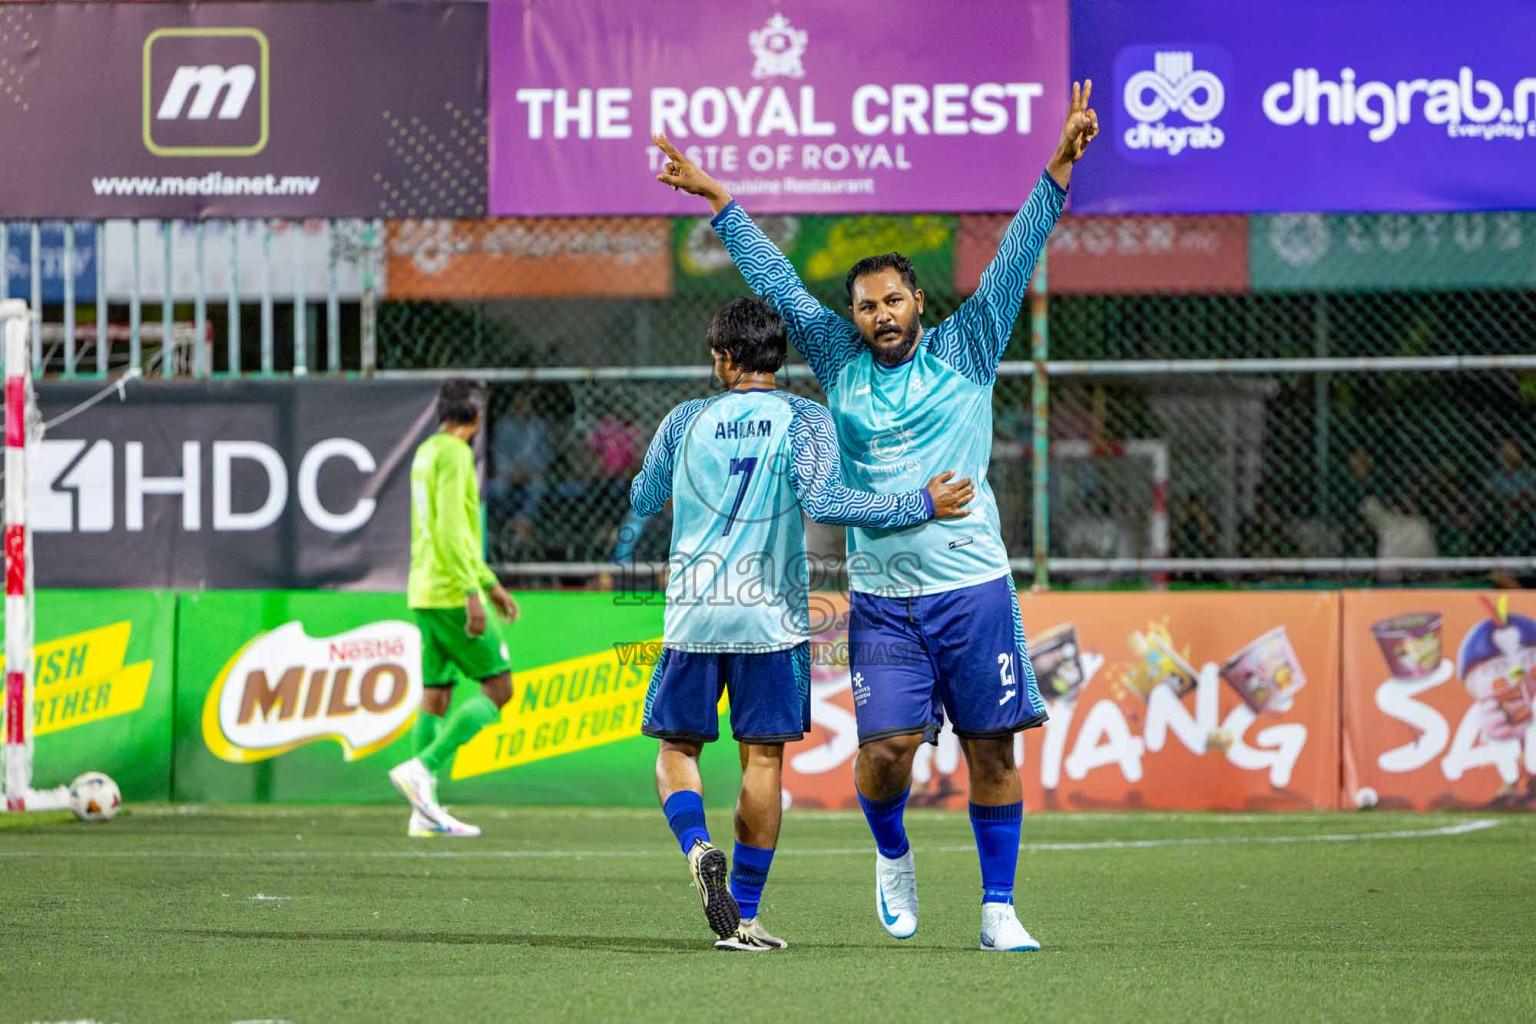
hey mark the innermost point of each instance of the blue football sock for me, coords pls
(749, 873)
(884, 817)
(685, 813)
(997, 842)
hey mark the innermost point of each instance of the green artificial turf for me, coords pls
(315, 914)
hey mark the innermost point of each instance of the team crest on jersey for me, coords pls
(891, 445)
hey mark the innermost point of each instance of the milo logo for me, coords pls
(286, 688)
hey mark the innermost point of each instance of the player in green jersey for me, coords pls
(448, 588)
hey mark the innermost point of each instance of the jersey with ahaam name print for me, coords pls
(898, 426)
(739, 469)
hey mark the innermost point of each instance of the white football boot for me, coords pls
(712, 877)
(751, 937)
(417, 785)
(423, 827)
(1001, 931)
(896, 894)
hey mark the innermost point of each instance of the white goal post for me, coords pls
(23, 427)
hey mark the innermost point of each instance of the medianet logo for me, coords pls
(1170, 106)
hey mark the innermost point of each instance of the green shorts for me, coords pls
(445, 647)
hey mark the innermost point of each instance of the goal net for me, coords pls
(23, 429)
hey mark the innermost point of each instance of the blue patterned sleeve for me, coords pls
(972, 340)
(652, 486)
(828, 342)
(816, 476)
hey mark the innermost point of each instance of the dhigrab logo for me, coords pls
(1170, 99)
(1463, 107)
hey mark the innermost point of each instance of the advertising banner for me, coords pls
(235, 483)
(529, 259)
(1314, 252)
(50, 261)
(1171, 701)
(243, 110)
(297, 255)
(1215, 107)
(1438, 693)
(102, 688)
(821, 249)
(305, 696)
(1122, 255)
(796, 106)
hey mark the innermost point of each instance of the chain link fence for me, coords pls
(1302, 399)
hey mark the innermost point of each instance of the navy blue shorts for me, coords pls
(770, 695)
(962, 653)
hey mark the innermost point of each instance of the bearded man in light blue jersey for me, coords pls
(739, 468)
(905, 401)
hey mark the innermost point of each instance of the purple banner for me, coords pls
(797, 106)
(242, 110)
(1317, 105)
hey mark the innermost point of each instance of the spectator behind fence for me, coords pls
(1401, 530)
(521, 450)
(1511, 490)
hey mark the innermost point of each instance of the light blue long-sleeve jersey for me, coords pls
(899, 426)
(739, 468)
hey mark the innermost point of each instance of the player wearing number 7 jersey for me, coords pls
(739, 468)
(907, 400)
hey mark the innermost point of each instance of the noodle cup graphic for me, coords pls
(1410, 643)
(1158, 663)
(1058, 664)
(1266, 673)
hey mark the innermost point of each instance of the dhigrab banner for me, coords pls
(796, 106)
(192, 485)
(1215, 107)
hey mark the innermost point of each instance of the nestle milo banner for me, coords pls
(303, 696)
(102, 688)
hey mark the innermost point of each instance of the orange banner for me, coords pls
(1173, 701)
(1438, 693)
(529, 258)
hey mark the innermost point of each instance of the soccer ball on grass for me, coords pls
(94, 797)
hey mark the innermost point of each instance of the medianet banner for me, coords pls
(243, 110)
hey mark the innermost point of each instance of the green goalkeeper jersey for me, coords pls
(446, 543)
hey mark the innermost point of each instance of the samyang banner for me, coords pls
(1213, 107)
(1169, 701)
(193, 485)
(796, 106)
(1439, 687)
(243, 110)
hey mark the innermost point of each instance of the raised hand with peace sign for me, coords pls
(1080, 128)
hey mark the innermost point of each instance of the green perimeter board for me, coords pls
(554, 627)
(821, 249)
(88, 677)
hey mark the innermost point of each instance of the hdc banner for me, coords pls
(795, 105)
(1214, 107)
(205, 484)
(243, 110)
(1438, 691)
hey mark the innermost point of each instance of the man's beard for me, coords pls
(889, 349)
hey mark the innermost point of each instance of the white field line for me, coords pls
(1475, 825)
